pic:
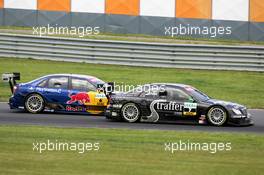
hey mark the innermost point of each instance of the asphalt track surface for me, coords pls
(18, 117)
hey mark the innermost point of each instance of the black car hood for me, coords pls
(225, 103)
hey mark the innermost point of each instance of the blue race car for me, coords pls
(58, 92)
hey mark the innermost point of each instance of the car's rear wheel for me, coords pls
(34, 103)
(130, 112)
(217, 116)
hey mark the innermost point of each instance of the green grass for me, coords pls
(139, 37)
(243, 87)
(127, 152)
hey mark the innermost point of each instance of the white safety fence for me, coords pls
(250, 58)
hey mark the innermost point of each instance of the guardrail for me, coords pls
(133, 53)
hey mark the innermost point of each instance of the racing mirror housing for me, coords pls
(192, 100)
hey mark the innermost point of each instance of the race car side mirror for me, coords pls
(163, 93)
(191, 100)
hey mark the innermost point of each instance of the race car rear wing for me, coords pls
(11, 78)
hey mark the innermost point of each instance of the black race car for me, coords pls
(174, 102)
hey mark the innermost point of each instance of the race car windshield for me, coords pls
(36, 80)
(96, 81)
(197, 94)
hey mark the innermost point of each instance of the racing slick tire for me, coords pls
(130, 112)
(34, 103)
(217, 116)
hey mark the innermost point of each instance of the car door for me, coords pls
(151, 98)
(148, 94)
(78, 94)
(179, 104)
(56, 91)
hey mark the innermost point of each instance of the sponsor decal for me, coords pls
(101, 95)
(117, 106)
(190, 105)
(114, 113)
(169, 106)
(190, 109)
(90, 109)
(81, 98)
(202, 119)
(154, 116)
(39, 89)
(75, 108)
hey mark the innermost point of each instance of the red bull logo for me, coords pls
(81, 98)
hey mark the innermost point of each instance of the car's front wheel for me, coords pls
(130, 112)
(217, 116)
(34, 103)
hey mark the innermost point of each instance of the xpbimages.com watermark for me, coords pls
(211, 147)
(189, 30)
(58, 146)
(79, 31)
(148, 88)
